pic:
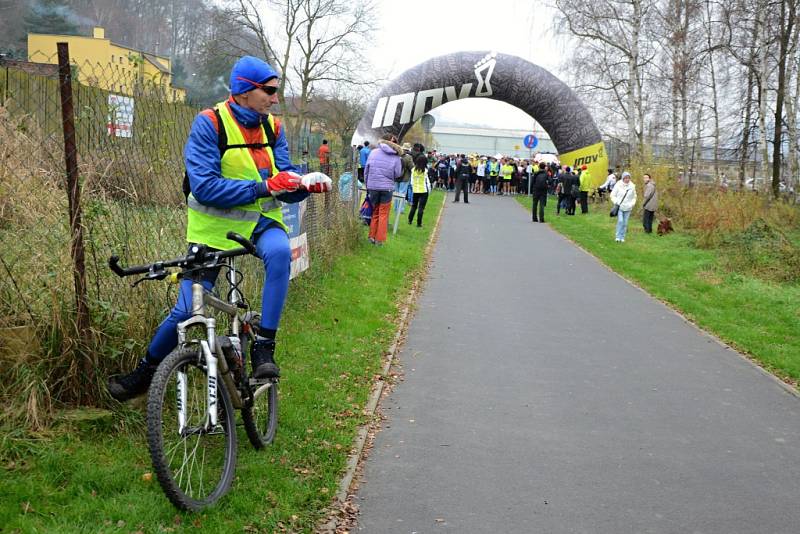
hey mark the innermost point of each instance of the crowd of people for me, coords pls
(464, 174)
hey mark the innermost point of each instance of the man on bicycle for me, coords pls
(235, 185)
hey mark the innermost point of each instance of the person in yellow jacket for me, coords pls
(238, 168)
(506, 170)
(420, 186)
(586, 185)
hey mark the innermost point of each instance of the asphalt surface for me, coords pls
(543, 393)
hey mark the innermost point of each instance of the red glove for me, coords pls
(283, 182)
(317, 182)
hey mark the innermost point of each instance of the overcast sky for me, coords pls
(414, 31)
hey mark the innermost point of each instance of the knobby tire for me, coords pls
(183, 478)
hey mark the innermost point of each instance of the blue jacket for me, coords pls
(202, 160)
(363, 154)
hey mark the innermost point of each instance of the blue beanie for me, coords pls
(247, 70)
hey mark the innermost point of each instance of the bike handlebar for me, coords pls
(200, 256)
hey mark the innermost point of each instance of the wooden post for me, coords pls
(74, 195)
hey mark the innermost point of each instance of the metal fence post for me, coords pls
(74, 196)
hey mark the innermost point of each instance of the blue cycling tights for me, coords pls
(273, 248)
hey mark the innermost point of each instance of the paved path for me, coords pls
(521, 410)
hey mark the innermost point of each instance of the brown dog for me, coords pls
(664, 226)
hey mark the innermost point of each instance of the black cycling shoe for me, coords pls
(125, 387)
(262, 357)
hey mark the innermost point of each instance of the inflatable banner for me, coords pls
(501, 77)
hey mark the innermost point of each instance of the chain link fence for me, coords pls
(62, 311)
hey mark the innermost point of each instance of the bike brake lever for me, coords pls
(152, 276)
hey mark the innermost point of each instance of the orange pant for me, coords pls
(379, 222)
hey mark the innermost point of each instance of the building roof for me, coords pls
(488, 132)
(151, 58)
(154, 60)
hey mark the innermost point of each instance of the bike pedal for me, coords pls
(257, 382)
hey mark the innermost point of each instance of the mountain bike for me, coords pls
(191, 426)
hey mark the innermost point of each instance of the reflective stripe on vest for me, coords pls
(231, 213)
(207, 224)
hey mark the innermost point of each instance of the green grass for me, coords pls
(339, 321)
(755, 316)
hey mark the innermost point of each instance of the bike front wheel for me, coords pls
(193, 460)
(261, 418)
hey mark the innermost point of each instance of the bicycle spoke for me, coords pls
(195, 466)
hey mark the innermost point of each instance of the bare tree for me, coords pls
(340, 111)
(714, 42)
(787, 27)
(331, 33)
(314, 42)
(617, 27)
(792, 101)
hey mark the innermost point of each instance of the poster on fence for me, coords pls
(120, 116)
(294, 219)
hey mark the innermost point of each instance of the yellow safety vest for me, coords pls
(586, 181)
(209, 225)
(419, 181)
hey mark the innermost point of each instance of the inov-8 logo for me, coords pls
(386, 109)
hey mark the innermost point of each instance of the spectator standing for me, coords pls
(585, 186)
(539, 190)
(324, 156)
(363, 154)
(608, 185)
(530, 167)
(463, 173)
(559, 191)
(493, 168)
(571, 191)
(506, 170)
(420, 186)
(650, 204)
(402, 183)
(480, 171)
(442, 167)
(383, 166)
(623, 194)
(451, 181)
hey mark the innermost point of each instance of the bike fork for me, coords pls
(211, 369)
(181, 399)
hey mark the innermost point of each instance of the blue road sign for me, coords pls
(530, 141)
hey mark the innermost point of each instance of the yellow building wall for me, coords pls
(101, 63)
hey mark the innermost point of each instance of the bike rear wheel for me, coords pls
(261, 419)
(194, 464)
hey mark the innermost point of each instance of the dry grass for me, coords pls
(129, 208)
(753, 233)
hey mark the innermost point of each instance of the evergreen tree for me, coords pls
(50, 16)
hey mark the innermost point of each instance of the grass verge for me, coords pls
(757, 317)
(338, 323)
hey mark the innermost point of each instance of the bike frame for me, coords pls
(211, 351)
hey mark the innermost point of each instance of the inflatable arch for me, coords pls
(501, 77)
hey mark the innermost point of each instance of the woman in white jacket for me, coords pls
(624, 194)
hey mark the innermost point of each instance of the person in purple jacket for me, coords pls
(383, 166)
(235, 187)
